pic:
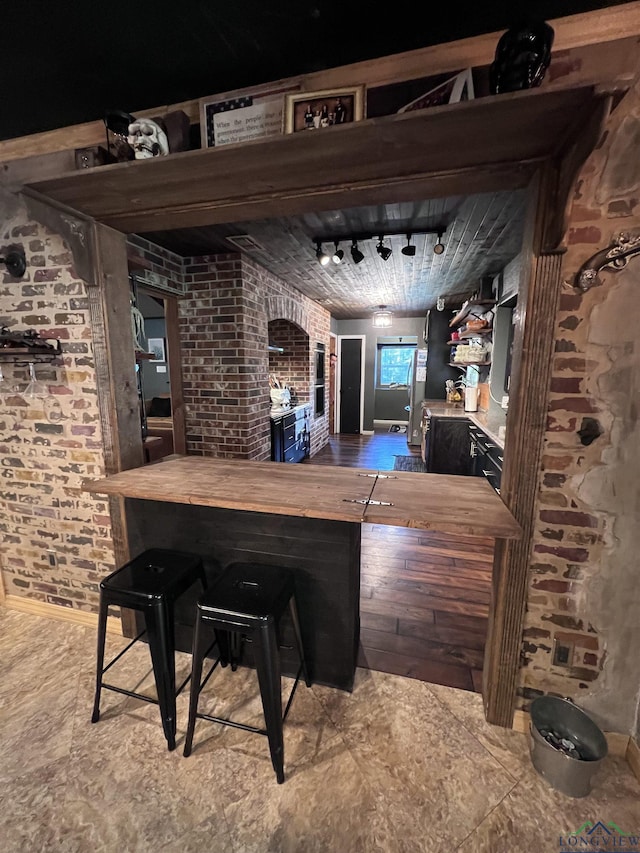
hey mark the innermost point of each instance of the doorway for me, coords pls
(351, 384)
(159, 376)
(333, 360)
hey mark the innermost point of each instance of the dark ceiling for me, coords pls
(67, 62)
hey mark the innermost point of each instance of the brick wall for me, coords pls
(155, 265)
(55, 539)
(584, 588)
(291, 366)
(224, 328)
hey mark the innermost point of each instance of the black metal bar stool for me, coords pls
(248, 600)
(150, 584)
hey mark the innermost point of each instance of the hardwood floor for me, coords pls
(424, 600)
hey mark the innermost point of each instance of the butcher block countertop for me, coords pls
(464, 505)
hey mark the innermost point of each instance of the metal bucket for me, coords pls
(567, 770)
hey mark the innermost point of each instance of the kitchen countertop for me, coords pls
(492, 422)
(423, 501)
(278, 413)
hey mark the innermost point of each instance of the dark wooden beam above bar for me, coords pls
(497, 142)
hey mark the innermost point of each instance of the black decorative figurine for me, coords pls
(522, 56)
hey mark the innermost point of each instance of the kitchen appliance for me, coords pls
(429, 372)
(471, 398)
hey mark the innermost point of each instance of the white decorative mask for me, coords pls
(147, 139)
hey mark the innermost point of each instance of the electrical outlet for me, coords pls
(562, 653)
(505, 401)
(53, 560)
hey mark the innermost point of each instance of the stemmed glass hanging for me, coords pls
(6, 387)
(35, 389)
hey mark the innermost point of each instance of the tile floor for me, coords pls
(398, 766)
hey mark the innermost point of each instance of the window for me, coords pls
(395, 362)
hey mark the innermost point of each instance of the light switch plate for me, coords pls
(505, 401)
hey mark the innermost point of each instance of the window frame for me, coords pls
(381, 347)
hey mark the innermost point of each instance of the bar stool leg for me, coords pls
(268, 666)
(102, 634)
(159, 622)
(293, 609)
(197, 654)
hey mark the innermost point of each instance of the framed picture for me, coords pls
(242, 116)
(316, 110)
(156, 346)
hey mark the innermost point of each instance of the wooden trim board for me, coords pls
(60, 614)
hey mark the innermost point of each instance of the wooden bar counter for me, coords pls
(303, 516)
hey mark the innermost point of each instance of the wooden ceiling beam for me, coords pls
(494, 141)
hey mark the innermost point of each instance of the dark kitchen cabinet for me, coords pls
(487, 458)
(446, 447)
(290, 437)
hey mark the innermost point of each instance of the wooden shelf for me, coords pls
(35, 353)
(469, 364)
(509, 134)
(466, 336)
(466, 309)
(145, 356)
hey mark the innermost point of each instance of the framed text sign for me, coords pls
(242, 117)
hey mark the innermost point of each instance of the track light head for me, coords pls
(356, 254)
(409, 250)
(438, 249)
(323, 259)
(384, 251)
(338, 255)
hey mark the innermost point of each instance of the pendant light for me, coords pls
(438, 249)
(382, 318)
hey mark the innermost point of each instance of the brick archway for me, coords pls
(286, 308)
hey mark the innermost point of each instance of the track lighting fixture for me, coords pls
(15, 262)
(384, 251)
(356, 254)
(323, 259)
(409, 250)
